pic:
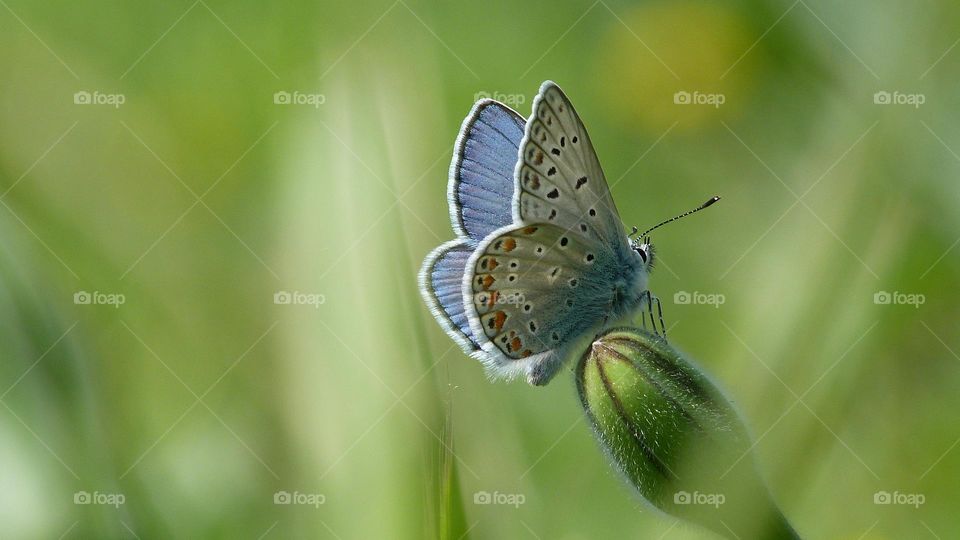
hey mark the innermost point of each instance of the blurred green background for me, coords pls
(199, 400)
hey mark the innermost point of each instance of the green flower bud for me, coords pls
(674, 436)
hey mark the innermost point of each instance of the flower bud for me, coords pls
(674, 436)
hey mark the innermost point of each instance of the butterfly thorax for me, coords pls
(629, 287)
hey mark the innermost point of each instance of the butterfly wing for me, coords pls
(479, 193)
(533, 291)
(558, 176)
(482, 171)
(441, 279)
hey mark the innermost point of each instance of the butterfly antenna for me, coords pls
(685, 214)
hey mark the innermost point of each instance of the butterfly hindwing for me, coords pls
(482, 171)
(441, 279)
(558, 175)
(534, 288)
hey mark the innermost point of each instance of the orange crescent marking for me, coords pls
(498, 319)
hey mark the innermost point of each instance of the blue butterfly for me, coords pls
(541, 262)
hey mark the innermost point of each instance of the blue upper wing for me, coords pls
(441, 280)
(481, 174)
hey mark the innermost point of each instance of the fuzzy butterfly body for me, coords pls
(542, 260)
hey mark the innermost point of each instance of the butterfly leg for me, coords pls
(646, 297)
(663, 327)
(653, 322)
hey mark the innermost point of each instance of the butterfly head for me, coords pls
(644, 249)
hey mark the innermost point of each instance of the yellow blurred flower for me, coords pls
(679, 61)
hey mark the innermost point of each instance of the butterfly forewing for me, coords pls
(559, 174)
(482, 171)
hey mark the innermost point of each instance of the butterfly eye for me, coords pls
(643, 254)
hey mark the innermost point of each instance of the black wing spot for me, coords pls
(573, 282)
(581, 181)
(533, 327)
(553, 194)
(552, 171)
(564, 241)
(589, 257)
(555, 336)
(563, 142)
(583, 227)
(593, 212)
(555, 151)
(574, 139)
(527, 307)
(553, 214)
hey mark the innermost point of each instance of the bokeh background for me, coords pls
(190, 193)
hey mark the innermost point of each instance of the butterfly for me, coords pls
(541, 261)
